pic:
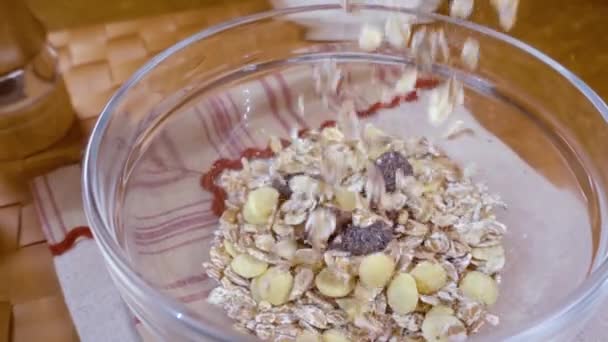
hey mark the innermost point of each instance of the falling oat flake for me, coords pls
(407, 81)
(462, 8)
(397, 31)
(470, 53)
(370, 38)
(443, 99)
(507, 12)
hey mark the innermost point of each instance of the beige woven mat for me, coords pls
(97, 59)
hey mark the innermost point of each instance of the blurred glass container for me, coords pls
(35, 110)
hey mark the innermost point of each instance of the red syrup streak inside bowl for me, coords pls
(219, 195)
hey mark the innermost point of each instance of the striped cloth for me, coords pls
(173, 231)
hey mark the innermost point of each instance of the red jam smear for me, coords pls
(219, 195)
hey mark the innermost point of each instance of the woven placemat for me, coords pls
(96, 60)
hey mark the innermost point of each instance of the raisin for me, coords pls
(282, 187)
(366, 240)
(388, 163)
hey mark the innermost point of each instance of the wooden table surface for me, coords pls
(31, 303)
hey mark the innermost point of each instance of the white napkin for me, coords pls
(97, 310)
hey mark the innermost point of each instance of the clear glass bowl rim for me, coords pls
(101, 225)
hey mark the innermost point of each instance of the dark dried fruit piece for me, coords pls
(282, 187)
(388, 163)
(366, 240)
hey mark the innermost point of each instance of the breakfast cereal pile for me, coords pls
(356, 237)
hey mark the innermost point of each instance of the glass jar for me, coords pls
(35, 109)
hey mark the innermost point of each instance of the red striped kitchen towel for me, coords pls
(173, 230)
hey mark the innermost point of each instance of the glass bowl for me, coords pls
(536, 133)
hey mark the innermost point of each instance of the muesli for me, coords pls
(356, 237)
